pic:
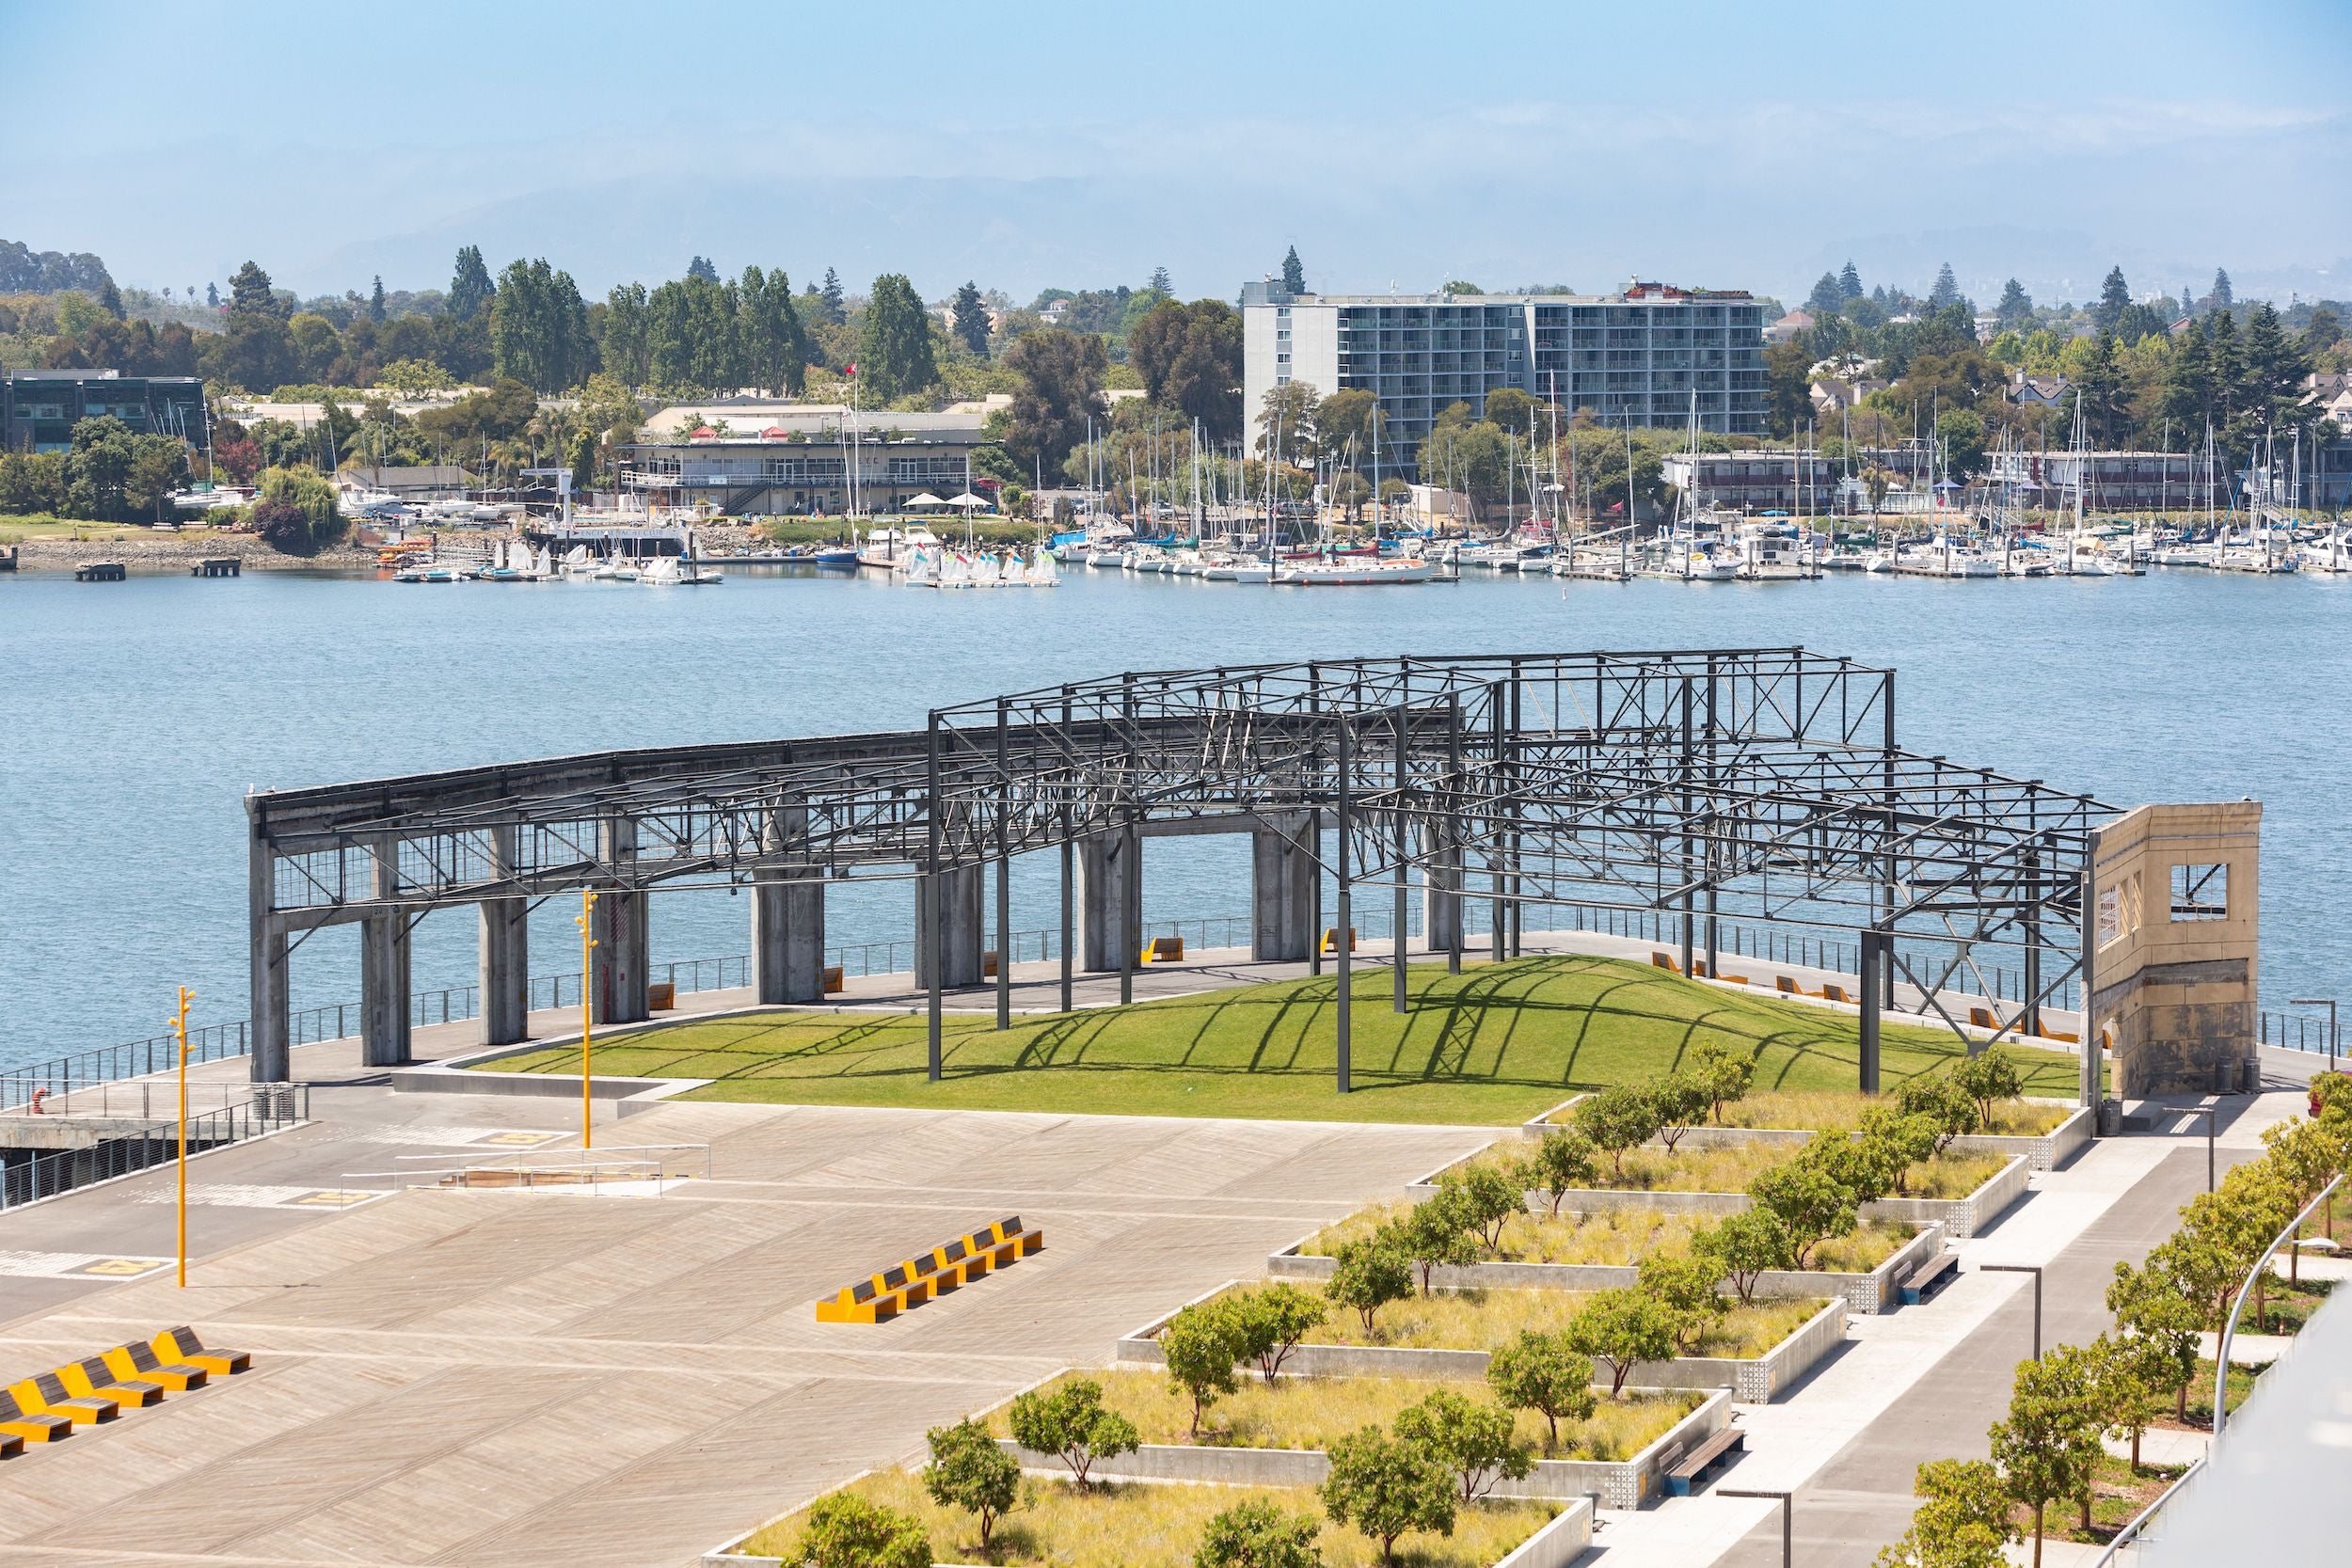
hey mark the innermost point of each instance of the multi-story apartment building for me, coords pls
(38, 409)
(2115, 481)
(1650, 356)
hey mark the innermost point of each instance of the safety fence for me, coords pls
(267, 1108)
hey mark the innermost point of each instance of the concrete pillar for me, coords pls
(788, 916)
(960, 896)
(384, 969)
(622, 959)
(1106, 891)
(266, 993)
(1283, 887)
(505, 954)
(1441, 901)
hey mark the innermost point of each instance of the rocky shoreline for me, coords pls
(144, 550)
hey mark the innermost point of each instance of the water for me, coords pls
(138, 714)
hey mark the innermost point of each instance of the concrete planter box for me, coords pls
(1960, 1217)
(1556, 1545)
(2047, 1152)
(1542, 1123)
(1752, 1380)
(1613, 1483)
(1865, 1294)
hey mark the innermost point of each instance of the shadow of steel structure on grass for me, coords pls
(1696, 787)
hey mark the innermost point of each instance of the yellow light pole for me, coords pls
(180, 1027)
(587, 1002)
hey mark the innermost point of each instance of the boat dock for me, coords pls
(216, 566)
(100, 571)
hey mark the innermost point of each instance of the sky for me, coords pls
(1728, 145)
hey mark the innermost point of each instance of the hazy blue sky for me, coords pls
(1722, 143)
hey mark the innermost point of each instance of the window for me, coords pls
(2200, 891)
(2119, 911)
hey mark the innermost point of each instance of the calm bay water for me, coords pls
(138, 714)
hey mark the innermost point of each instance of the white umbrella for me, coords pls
(967, 501)
(926, 498)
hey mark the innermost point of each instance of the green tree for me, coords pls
(2222, 296)
(624, 334)
(470, 285)
(1561, 1163)
(2115, 297)
(1477, 1439)
(539, 327)
(1808, 1200)
(1270, 1321)
(1725, 1072)
(1825, 298)
(1072, 1424)
(159, 466)
(1345, 423)
(1617, 1118)
(1942, 1100)
(1621, 1329)
(1787, 386)
(971, 319)
(1961, 433)
(1486, 1196)
(1440, 1233)
(376, 301)
(1508, 408)
(2304, 1155)
(844, 1531)
(1385, 1486)
(1258, 1534)
(2014, 308)
(1684, 1283)
(1990, 1078)
(835, 307)
(250, 294)
(1545, 1373)
(1201, 1345)
(2163, 1323)
(895, 348)
(2048, 1449)
(1189, 356)
(693, 340)
(769, 334)
(1287, 425)
(1061, 390)
(1946, 290)
(1743, 1246)
(1294, 273)
(969, 1471)
(1372, 1273)
(1961, 1520)
(1679, 1100)
(1849, 281)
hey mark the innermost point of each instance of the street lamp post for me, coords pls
(586, 922)
(2034, 1270)
(180, 1028)
(2328, 1003)
(2208, 1111)
(1788, 1505)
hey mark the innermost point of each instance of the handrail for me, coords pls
(2139, 1521)
(2229, 1325)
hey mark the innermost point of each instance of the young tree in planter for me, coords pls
(1679, 1100)
(1483, 1198)
(1684, 1284)
(2306, 1158)
(1561, 1163)
(1545, 1373)
(1809, 1203)
(1621, 1329)
(2130, 1375)
(969, 1471)
(1476, 1438)
(1385, 1486)
(1439, 1231)
(1989, 1077)
(1259, 1535)
(1201, 1345)
(1270, 1324)
(1898, 1141)
(1372, 1273)
(1725, 1072)
(2048, 1450)
(1961, 1520)
(2162, 1324)
(1072, 1424)
(847, 1532)
(1618, 1120)
(1743, 1245)
(1937, 1097)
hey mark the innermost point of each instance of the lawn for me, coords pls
(1729, 1169)
(1156, 1525)
(1489, 1320)
(1312, 1412)
(2120, 1493)
(1496, 1043)
(1619, 1237)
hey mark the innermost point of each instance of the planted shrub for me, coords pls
(1070, 1423)
(1258, 1534)
(969, 1471)
(1371, 1274)
(1201, 1344)
(1268, 1323)
(1726, 1073)
(1616, 1119)
(1679, 1101)
(1939, 1097)
(1989, 1077)
(1563, 1162)
(1475, 1437)
(1545, 1373)
(847, 1532)
(1684, 1284)
(1385, 1486)
(1621, 1329)
(1743, 1246)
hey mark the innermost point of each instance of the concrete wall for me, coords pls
(2173, 997)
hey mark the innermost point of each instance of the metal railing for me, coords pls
(2294, 1031)
(145, 1099)
(268, 1108)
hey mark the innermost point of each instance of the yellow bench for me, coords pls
(137, 1394)
(1331, 939)
(138, 1362)
(1665, 962)
(833, 981)
(1164, 950)
(181, 1345)
(43, 1395)
(22, 1426)
(931, 1273)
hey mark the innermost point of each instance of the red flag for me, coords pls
(849, 369)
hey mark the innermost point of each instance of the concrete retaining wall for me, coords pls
(1614, 1483)
(1864, 1293)
(1752, 1380)
(1958, 1216)
(2046, 1151)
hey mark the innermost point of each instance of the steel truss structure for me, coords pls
(1759, 785)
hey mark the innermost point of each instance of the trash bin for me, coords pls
(2111, 1119)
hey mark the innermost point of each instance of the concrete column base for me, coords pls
(621, 969)
(788, 940)
(1441, 904)
(505, 970)
(1106, 887)
(1282, 877)
(384, 991)
(959, 894)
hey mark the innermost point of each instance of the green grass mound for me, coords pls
(1498, 1044)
